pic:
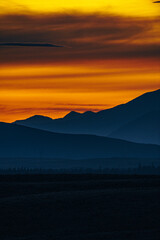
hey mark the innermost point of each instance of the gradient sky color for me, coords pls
(109, 55)
(124, 7)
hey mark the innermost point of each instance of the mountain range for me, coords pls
(136, 121)
(25, 142)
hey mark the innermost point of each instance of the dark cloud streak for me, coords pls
(89, 37)
(28, 45)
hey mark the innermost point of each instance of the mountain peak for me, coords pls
(35, 118)
(72, 114)
(39, 117)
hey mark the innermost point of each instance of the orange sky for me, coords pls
(106, 57)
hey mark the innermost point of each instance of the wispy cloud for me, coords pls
(91, 36)
(25, 44)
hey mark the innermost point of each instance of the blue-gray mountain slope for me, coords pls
(145, 129)
(24, 142)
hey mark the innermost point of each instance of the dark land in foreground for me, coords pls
(79, 207)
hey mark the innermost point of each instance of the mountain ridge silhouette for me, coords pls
(102, 123)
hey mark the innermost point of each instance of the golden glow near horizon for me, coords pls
(54, 91)
(124, 7)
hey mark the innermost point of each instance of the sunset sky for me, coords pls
(59, 56)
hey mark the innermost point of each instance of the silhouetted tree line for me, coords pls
(140, 170)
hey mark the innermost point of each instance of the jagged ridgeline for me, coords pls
(137, 121)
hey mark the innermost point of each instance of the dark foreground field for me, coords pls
(79, 207)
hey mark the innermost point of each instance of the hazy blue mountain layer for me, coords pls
(24, 142)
